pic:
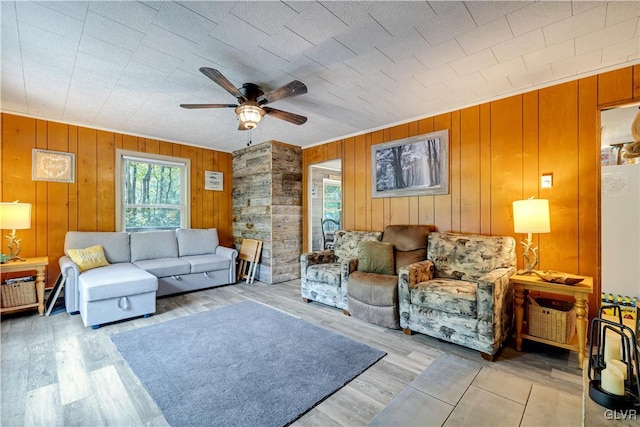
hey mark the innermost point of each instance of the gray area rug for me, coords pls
(241, 365)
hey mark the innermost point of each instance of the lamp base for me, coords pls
(4, 259)
(14, 248)
(530, 254)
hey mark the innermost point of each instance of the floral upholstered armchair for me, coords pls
(461, 293)
(324, 273)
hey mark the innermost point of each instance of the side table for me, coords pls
(30, 264)
(580, 291)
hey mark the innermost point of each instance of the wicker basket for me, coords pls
(16, 294)
(551, 320)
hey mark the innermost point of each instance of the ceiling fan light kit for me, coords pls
(249, 115)
(251, 99)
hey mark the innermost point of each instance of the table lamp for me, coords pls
(14, 216)
(530, 216)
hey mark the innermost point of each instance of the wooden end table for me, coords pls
(580, 292)
(30, 264)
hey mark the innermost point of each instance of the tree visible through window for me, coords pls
(332, 199)
(153, 194)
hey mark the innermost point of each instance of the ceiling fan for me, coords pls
(252, 100)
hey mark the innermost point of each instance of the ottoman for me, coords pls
(116, 292)
(374, 298)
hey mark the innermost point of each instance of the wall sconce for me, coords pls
(14, 216)
(530, 216)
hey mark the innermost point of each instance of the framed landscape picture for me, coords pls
(415, 166)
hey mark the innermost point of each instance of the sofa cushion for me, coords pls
(153, 245)
(373, 289)
(328, 274)
(205, 263)
(375, 257)
(164, 267)
(197, 241)
(88, 258)
(115, 244)
(469, 256)
(115, 281)
(345, 246)
(448, 295)
(409, 241)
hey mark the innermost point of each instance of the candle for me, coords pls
(612, 347)
(612, 381)
(619, 365)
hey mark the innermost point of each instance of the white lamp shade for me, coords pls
(15, 216)
(531, 216)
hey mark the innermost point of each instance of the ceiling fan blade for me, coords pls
(222, 81)
(191, 106)
(293, 88)
(286, 116)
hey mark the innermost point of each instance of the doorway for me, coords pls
(620, 204)
(325, 188)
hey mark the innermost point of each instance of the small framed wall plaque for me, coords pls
(213, 180)
(54, 166)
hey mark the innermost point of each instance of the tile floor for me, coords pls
(454, 391)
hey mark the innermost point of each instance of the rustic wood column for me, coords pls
(267, 206)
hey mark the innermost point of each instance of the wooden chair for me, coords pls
(249, 257)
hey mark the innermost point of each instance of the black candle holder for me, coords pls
(599, 329)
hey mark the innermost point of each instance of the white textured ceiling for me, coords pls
(126, 66)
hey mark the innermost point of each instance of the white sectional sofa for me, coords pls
(142, 265)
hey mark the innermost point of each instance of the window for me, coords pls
(332, 199)
(152, 192)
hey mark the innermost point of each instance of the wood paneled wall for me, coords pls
(498, 152)
(88, 204)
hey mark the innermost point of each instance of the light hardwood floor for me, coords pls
(57, 372)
